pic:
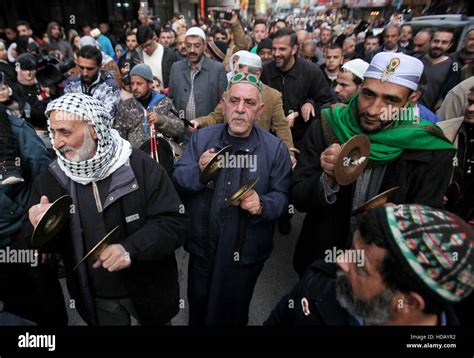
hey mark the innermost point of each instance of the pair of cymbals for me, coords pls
(98, 248)
(51, 222)
(352, 160)
(239, 193)
(375, 202)
(214, 166)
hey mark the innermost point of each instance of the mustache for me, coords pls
(66, 149)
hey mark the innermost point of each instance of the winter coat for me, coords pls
(422, 175)
(236, 229)
(143, 203)
(105, 89)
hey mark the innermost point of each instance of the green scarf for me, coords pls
(387, 144)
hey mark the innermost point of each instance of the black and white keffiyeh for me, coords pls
(112, 150)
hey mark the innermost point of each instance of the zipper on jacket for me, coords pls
(95, 190)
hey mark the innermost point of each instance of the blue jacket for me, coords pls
(428, 115)
(14, 198)
(233, 229)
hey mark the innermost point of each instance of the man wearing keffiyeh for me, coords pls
(405, 151)
(111, 186)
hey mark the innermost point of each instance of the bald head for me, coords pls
(421, 42)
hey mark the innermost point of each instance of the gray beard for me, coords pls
(376, 311)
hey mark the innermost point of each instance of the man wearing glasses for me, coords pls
(94, 82)
(230, 240)
(197, 82)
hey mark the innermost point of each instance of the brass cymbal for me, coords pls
(375, 202)
(98, 248)
(353, 159)
(213, 167)
(241, 192)
(51, 222)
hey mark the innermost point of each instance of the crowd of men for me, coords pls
(285, 98)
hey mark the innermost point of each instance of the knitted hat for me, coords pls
(218, 49)
(265, 43)
(143, 71)
(435, 245)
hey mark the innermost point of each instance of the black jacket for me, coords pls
(169, 57)
(422, 176)
(144, 204)
(304, 83)
(318, 287)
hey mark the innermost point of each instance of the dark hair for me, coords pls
(38, 119)
(373, 37)
(144, 34)
(334, 47)
(406, 25)
(91, 53)
(219, 30)
(350, 56)
(395, 275)
(287, 32)
(280, 20)
(130, 33)
(444, 29)
(23, 23)
(260, 22)
(166, 29)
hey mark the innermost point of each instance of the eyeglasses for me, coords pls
(246, 78)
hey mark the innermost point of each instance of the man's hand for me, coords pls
(206, 158)
(328, 161)
(153, 117)
(195, 126)
(36, 211)
(291, 118)
(293, 161)
(307, 110)
(113, 258)
(234, 19)
(250, 202)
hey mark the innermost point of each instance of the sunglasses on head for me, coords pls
(248, 78)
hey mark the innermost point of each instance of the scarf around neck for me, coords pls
(387, 144)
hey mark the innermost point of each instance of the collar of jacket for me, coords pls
(202, 65)
(123, 182)
(103, 76)
(252, 143)
(294, 72)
